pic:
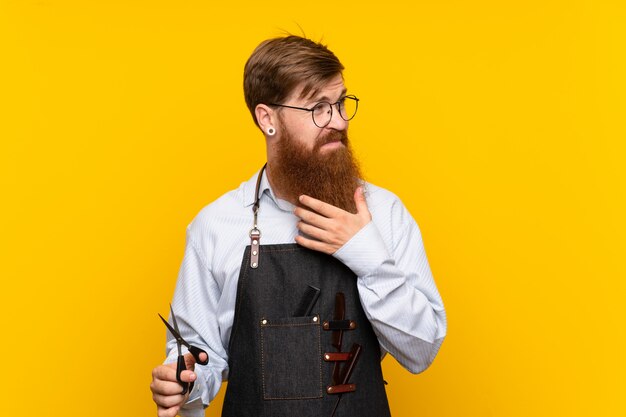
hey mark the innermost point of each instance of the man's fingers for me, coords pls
(361, 203)
(190, 361)
(160, 387)
(168, 373)
(312, 218)
(203, 357)
(330, 227)
(188, 376)
(319, 206)
(314, 232)
(315, 245)
(167, 412)
(165, 372)
(168, 401)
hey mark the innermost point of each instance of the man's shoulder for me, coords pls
(226, 209)
(378, 196)
(226, 203)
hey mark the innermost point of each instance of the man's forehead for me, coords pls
(330, 90)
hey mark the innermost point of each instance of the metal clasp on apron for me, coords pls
(255, 233)
(255, 239)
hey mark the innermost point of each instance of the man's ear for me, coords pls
(266, 117)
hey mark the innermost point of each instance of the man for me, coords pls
(333, 276)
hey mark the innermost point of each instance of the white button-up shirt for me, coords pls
(395, 284)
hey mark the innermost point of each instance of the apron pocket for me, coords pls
(291, 358)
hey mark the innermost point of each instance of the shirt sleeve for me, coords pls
(195, 304)
(396, 286)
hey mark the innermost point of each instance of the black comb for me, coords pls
(308, 300)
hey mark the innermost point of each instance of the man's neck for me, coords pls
(277, 192)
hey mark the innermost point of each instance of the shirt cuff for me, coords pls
(195, 396)
(364, 252)
(193, 407)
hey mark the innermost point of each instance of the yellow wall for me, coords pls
(500, 124)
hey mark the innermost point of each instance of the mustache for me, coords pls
(333, 136)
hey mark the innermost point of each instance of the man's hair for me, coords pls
(278, 66)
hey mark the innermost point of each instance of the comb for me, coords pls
(308, 300)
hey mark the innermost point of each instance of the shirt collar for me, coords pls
(249, 188)
(264, 188)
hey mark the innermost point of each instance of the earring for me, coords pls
(271, 131)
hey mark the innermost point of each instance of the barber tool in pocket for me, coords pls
(309, 298)
(344, 385)
(341, 374)
(195, 351)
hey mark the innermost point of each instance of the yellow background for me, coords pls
(500, 124)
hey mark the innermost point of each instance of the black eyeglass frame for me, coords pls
(350, 96)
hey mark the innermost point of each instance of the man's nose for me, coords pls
(336, 121)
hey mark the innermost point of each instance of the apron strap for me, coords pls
(255, 232)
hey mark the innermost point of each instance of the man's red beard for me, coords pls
(331, 176)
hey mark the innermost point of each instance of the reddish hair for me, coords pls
(278, 66)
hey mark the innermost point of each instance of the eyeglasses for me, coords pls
(322, 112)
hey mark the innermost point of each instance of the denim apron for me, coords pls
(286, 364)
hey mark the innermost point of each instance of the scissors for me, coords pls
(195, 351)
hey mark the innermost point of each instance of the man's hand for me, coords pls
(329, 226)
(166, 391)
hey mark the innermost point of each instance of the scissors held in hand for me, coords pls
(195, 351)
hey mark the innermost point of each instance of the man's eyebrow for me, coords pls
(317, 99)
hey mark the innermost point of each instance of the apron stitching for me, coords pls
(263, 365)
(238, 306)
(290, 325)
(319, 345)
